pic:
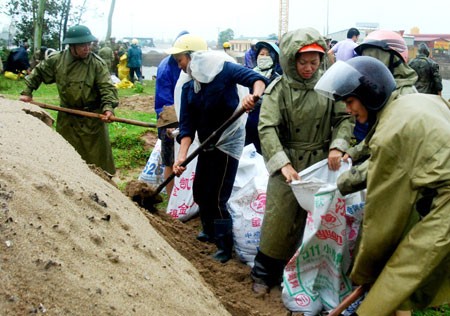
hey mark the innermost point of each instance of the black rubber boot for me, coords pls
(207, 233)
(267, 272)
(223, 231)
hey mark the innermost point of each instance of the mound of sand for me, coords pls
(72, 244)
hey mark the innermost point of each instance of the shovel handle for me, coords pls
(205, 143)
(92, 114)
(358, 292)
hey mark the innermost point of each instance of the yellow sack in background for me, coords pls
(123, 70)
(11, 75)
(124, 84)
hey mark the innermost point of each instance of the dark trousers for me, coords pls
(136, 70)
(213, 183)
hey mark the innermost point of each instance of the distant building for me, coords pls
(439, 44)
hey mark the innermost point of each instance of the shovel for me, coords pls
(92, 114)
(149, 197)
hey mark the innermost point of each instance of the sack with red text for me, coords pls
(248, 203)
(181, 203)
(314, 280)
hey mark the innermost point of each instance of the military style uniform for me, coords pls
(83, 84)
(430, 80)
(410, 154)
(296, 126)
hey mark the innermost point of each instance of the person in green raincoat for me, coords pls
(84, 83)
(406, 262)
(390, 48)
(297, 128)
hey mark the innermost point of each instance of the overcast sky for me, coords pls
(164, 19)
(259, 18)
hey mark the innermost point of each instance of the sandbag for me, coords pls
(153, 172)
(247, 204)
(181, 203)
(315, 278)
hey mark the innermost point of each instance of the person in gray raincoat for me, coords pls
(406, 262)
(390, 48)
(297, 128)
(83, 83)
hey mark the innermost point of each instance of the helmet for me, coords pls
(187, 43)
(78, 34)
(364, 77)
(386, 40)
(134, 41)
(226, 45)
(269, 45)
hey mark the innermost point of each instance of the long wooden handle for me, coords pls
(202, 146)
(92, 114)
(358, 292)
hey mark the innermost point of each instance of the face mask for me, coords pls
(264, 62)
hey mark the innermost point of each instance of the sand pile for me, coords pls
(72, 243)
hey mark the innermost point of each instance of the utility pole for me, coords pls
(283, 20)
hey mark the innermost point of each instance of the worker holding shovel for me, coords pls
(83, 83)
(207, 101)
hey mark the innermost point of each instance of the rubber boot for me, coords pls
(207, 233)
(223, 232)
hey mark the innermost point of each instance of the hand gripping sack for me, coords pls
(315, 277)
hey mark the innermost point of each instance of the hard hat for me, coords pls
(134, 41)
(364, 77)
(269, 45)
(386, 40)
(226, 45)
(187, 43)
(314, 47)
(78, 34)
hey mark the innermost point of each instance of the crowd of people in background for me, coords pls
(309, 98)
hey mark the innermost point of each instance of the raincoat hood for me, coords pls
(403, 74)
(290, 43)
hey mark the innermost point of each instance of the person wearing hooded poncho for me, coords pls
(207, 101)
(297, 128)
(267, 65)
(390, 48)
(406, 262)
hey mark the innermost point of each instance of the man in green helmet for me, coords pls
(84, 83)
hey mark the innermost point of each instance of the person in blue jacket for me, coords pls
(207, 101)
(267, 64)
(134, 60)
(166, 80)
(18, 60)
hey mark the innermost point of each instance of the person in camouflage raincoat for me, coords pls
(297, 128)
(430, 80)
(84, 83)
(406, 262)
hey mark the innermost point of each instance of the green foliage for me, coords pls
(138, 87)
(435, 311)
(128, 147)
(225, 36)
(5, 84)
